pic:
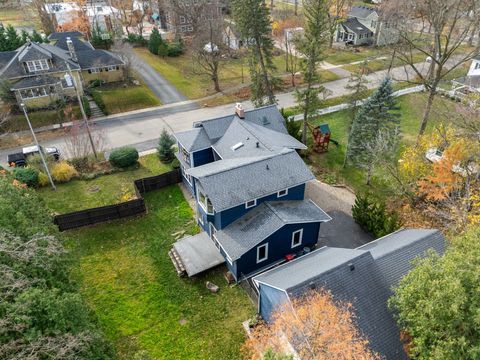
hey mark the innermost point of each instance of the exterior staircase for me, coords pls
(177, 262)
(95, 111)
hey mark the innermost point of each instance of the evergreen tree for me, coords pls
(13, 40)
(36, 37)
(24, 36)
(3, 39)
(165, 150)
(357, 85)
(154, 42)
(253, 20)
(375, 129)
(311, 46)
(163, 49)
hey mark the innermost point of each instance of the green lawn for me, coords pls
(17, 122)
(141, 304)
(18, 17)
(119, 99)
(328, 166)
(105, 190)
(339, 57)
(382, 64)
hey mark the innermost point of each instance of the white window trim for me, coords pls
(202, 205)
(250, 206)
(266, 253)
(43, 91)
(186, 176)
(293, 238)
(37, 65)
(200, 219)
(281, 195)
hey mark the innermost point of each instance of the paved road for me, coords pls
(166, 92)
(142, 128)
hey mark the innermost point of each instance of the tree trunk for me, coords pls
(296, 7)
(305, 116)
(271, 97)
(216, 83)
(369, 174)
(428, 108)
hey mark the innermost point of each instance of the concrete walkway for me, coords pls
(166, 92)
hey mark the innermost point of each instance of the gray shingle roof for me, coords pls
(14, 68)
(78, 44)
(33, 52)
(232, 182)
(95, 58)
(194, 139)
(361, 12)
(60, 35)
(32, 81)
(377, 266)
(353, 25)
(267, 116)
(249, 134)
(5, 57)
(394, 253)
(261, 222)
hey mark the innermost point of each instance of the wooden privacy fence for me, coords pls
(124, 209)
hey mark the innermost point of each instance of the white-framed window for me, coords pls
(297, 237)
(477, 65)
(250, 204)
(350, 36)
(262, 253)
(189, 28)
(37, 65)
(185, 154)
(282, 193)
(186, 176)
(200, 219)
(204, 202)
(182, 20)
(111, 68)
(94, 70)
(37, 92)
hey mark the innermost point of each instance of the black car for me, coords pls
(20, 158)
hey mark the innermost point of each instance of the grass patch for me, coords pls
(339, 57)
(18, 17)
(105, 190)
(39, 118)
(180, 72)
(119, 99)
(129, 281)
(329, 165)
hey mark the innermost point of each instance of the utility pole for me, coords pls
(85, 120)
(22, 105)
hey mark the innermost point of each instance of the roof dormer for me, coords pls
(35, 58)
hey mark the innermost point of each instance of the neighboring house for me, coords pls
(232, 37)
(102, 17)
(364, 26)
(39, 72)
(363, 277)
(470, 82)
(249, 185)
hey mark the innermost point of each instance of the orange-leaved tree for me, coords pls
(314, 326)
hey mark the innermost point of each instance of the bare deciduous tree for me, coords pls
(125, 52)
(436, 29)
(77, 141)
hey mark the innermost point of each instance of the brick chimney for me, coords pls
(239, 111)
(71, 49)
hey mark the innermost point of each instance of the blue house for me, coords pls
(249, 185)
(363, 277)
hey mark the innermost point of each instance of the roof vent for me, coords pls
(237, 146)
(258, 144)
(351, 266)
(267, 167)
(265, 121)
(239, 111)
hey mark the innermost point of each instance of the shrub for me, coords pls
(63, 172)
(97, 97)
(42, 179)
(86, 106)
(175, 163)
(123, 157)
(373, 216)
(81, 164)
(164, 149)
(175, 49)
(26, 175)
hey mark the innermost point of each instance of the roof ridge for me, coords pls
(245, 126)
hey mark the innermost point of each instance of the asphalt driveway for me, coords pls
(342, 231)
(166, 92)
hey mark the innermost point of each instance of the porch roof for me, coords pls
(198, 253)
(35, 81)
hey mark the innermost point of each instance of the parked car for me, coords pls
(20, 158)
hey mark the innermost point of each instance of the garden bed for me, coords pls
(104, 190)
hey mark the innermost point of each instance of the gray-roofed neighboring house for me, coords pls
(32, 62)
(362, 276)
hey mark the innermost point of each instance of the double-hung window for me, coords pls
(205, 203)
(262, 253)
(297, 238)
(37, 65)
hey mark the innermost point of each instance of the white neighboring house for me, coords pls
(231, 36)
(471, 82)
